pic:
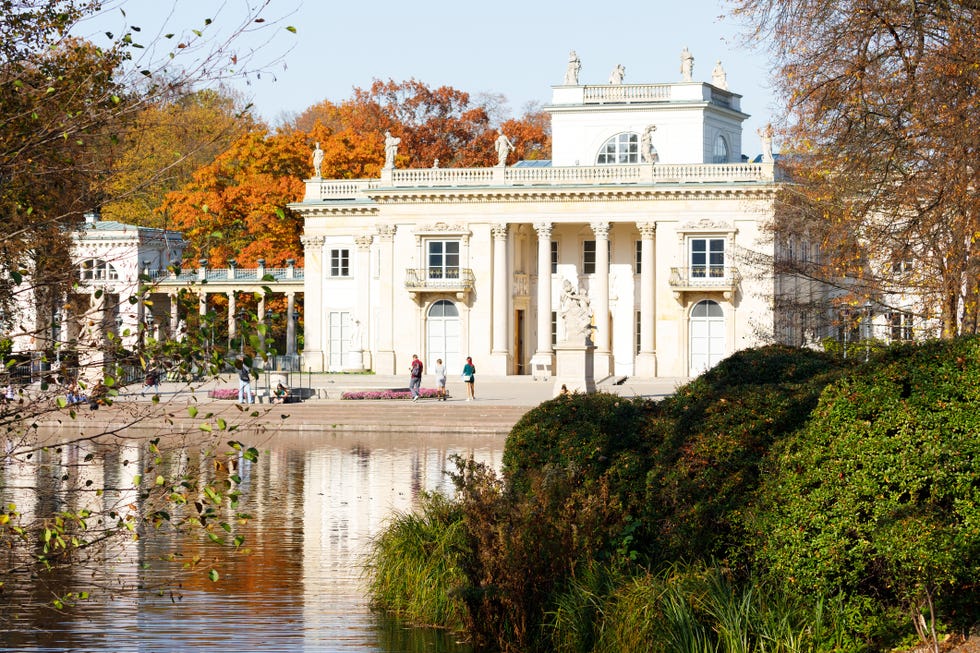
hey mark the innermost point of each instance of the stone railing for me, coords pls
(633, 174)
(439, 280)
(212, 275)
(704, 278)
(602, 94)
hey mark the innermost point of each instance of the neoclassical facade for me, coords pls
(647, 205)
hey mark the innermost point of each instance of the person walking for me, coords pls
(469, 378)
(440, 372)
(415, 378)
(244, 383)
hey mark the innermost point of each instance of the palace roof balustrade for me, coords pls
(649, 175)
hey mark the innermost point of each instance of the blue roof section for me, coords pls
(537, 163)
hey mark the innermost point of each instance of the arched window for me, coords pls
(96, 270)
(621, 148)
(721, 150)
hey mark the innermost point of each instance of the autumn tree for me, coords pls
(442, 124)
(880, 143)
(164, 145)
(68, 107)
(236, 206)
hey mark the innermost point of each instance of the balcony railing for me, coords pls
(705, 278)
(456, 280)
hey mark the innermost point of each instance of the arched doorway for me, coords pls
(442, 336)
(707, 336)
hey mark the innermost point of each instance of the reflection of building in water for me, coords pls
(350, 492)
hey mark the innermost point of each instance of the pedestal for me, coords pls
(574, 368)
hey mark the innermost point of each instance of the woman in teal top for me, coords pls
(469, 377)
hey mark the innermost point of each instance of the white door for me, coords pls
(339, 326)
(442, 337)
(707, 329)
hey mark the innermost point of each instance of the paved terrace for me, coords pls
(500, 403)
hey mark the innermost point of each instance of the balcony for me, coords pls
(703, 278)
(459, 281)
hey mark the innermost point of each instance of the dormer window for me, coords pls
(721, 150)
(621, 148)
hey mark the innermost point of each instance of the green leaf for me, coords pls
(213, 575)
(61, 401)
(290, 28)
(192, 411)
(205, 427)
(222, 425)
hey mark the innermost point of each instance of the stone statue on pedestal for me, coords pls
(576, 313)
(687, 65)
(574, 66)
(391, 149)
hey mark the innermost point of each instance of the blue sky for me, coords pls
(517, 48)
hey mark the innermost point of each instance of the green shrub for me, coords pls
(878, 497)
(718, 430)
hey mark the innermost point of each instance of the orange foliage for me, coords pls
(235, 208)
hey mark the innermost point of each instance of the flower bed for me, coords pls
(424, 393)
(223, 393)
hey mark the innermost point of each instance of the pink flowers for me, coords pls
(223, 393)
(424, 393)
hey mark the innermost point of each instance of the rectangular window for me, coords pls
(443, 259)
(339, 262)
(638, 258)
(588, 257)
(900, 327)
(707, 258)
(554, 328)
(554, 257)
(637, 325)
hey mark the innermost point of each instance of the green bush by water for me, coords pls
(839, 497)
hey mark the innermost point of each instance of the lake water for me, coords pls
(315, 503)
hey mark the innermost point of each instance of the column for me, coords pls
(499, 354)
(291, 324)
(232, 319)
(260, 325)
(314, 338)
(599, 293)
(646, 361)
(364, 343)
(174, 313)
(542, 363)
(385, 360)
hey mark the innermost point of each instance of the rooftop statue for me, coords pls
(617, 75)
(687, 65)
(574, 66)
(317, 160)
(504, 146)
(648, 153)
(718, 77)
(766, 135)
(391, 149)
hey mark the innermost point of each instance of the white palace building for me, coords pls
(648, 207)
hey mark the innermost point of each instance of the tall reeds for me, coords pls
(412, 565)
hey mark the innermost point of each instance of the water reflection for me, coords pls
(315, 503)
